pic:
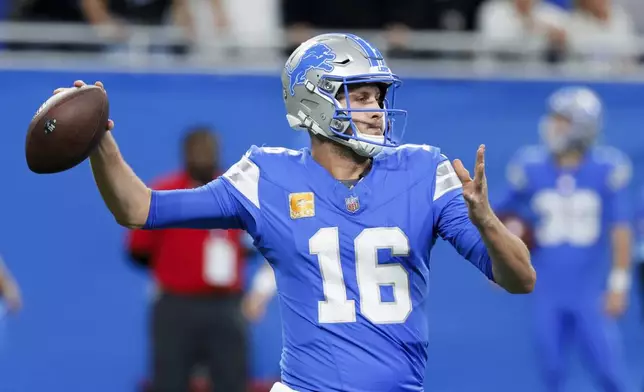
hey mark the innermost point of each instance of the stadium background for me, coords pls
(83, 325)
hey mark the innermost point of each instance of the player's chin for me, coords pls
(371, 131)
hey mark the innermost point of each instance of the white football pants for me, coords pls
(279, 387)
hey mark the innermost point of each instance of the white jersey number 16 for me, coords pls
(371, 275)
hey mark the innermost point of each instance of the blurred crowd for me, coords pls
(603, 31)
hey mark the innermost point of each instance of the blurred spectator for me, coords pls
(114, 18)
(197, 313)
(397, 19)
(46, 11)
(511, 26)
(43, 11)
(635, 9)
(451, 15)
(432, 15)
(236, 33)
(602, 32)
(300, 18)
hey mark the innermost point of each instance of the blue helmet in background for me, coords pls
(574, 120)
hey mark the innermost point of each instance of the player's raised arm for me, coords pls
(464, 218)
(126, 196)
(134, 205)
(510, 257)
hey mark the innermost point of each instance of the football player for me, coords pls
(347, 224)
(639, 256)
(573, 192)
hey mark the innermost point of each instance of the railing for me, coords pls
(454, 53)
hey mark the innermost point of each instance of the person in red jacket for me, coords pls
(198, 311)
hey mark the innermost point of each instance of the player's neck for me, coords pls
(342, 163)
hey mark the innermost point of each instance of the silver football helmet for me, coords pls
(583, 111)
(314, 74)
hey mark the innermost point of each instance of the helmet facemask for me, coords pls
(344, 129)
(330, 63)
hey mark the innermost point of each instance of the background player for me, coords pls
(639, 255)
(574, 193)
(350, 253)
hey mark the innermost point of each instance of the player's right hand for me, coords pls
(80, 83)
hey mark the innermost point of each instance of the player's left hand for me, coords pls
(615, 303)
(475, 190)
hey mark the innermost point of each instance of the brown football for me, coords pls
(519, 227)
(66, 129)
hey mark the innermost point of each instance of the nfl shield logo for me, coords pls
(352, 203)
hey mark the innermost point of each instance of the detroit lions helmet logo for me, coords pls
(318, 56)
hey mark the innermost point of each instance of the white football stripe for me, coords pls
(446, 179)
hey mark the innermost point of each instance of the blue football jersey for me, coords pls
(639, 227)
(352, 263)
(572, 211)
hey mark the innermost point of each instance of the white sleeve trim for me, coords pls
(244, 176)
(446, 179)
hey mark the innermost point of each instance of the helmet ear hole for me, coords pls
(337, 125)
(326, 85)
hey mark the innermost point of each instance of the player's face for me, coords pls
(201, 160)
(557, 132)
(365, 97)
